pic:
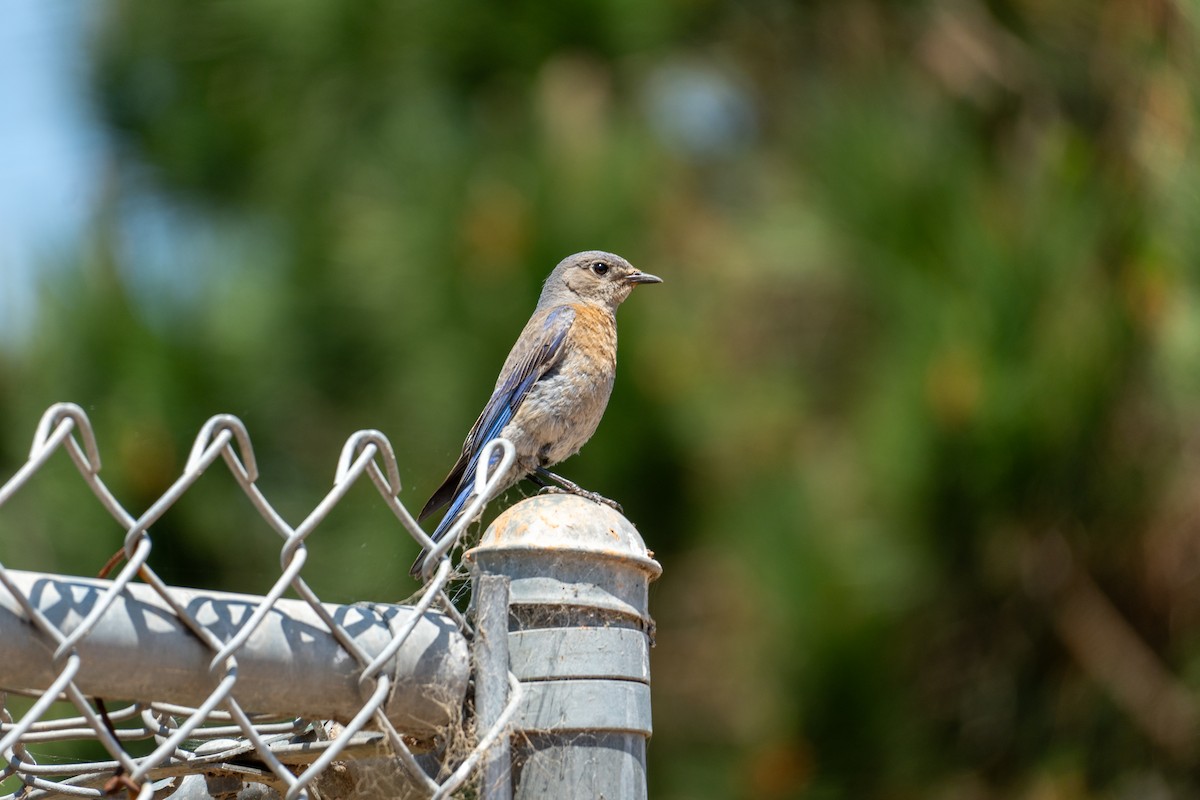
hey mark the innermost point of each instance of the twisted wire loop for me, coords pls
(284, 751)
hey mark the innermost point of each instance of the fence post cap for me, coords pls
(566, 523)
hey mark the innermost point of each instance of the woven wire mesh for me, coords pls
(148, 743)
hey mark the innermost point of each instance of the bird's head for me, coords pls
(593, 277)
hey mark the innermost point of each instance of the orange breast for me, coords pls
(595, 333)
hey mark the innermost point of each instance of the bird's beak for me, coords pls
(637, 276)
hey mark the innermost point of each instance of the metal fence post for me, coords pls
(490, 653)
(579, 639)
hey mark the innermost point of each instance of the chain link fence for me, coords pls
(197, 694)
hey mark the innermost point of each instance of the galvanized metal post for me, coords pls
(579, 639)
(490, 654)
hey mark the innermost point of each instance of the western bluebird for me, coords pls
(554, 385)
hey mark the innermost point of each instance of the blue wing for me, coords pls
(530, 359)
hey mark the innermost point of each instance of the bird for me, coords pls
(553, 387)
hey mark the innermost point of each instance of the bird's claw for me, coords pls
(584, 493)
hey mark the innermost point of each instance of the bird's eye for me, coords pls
(600, 268)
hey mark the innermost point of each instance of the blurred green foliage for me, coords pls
(912, 424)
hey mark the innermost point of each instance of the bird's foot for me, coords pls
(584, 493)
(565, 486)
